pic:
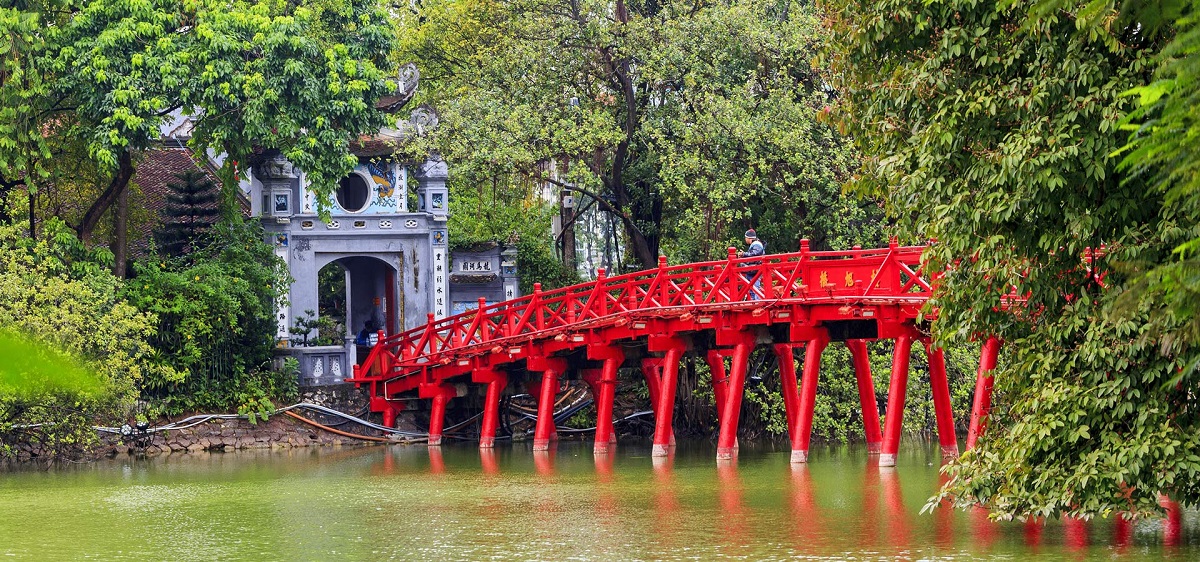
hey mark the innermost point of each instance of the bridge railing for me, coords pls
(804, 276)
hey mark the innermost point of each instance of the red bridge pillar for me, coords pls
(802, 431)
(496, 382)
(720, 380)
(897, 389)
(983, 390)
(603, 393)
(789, 389)
(866, 395)
(441, 394)
(552, 369)
(664, 412)
(652, 372)
(727, 438)
(940, 385)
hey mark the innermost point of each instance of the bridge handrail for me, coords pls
(859, 273)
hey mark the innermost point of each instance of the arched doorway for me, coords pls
(365, 297)
(332, 303)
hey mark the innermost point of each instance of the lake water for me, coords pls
(410, 503)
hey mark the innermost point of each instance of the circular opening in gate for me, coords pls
(353, 193)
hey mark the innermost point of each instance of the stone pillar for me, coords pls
(278, 177)
(508, 272)
(434, 200)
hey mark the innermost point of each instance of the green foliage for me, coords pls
(487, 215)
(298, 77)
(61, 294)
(685, 122)
(327, 330)
(991, 126)
(216, 325)
(32, 369)
(1162, 146)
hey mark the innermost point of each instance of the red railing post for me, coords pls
(664, 282)
(731, 281)
(535, 306)
(478, 323)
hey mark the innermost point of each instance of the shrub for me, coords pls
(216, 321)
(59, 293)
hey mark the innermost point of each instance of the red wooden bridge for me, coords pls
(717, 310)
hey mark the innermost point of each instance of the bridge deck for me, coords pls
(717, 309)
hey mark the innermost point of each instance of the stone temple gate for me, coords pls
(386, 231)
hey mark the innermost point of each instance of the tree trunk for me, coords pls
(120, 234)
(32, 211)
(115, 188)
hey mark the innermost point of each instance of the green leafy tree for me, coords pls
(299, 77)
(190, 211)
(991, 126)
(1161, 146)
(685, 122)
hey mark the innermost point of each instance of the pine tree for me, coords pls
(190, 210)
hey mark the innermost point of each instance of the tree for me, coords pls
(991, 126)
(300, 77)
(190, 211)
(686, 122)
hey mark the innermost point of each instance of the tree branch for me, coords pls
(120, 181)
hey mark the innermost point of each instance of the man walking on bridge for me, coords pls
(755, 247)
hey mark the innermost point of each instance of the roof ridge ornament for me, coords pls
(407, 80)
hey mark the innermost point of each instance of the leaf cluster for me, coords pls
(994, 127)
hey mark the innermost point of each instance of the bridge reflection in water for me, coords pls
(841, 504)
(457, 502)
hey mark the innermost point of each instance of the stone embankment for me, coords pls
(281, 431)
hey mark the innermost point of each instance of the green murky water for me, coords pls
(410, 503)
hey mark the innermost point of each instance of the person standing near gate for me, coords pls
(754, 247)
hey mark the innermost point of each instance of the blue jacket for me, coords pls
(756, 249)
